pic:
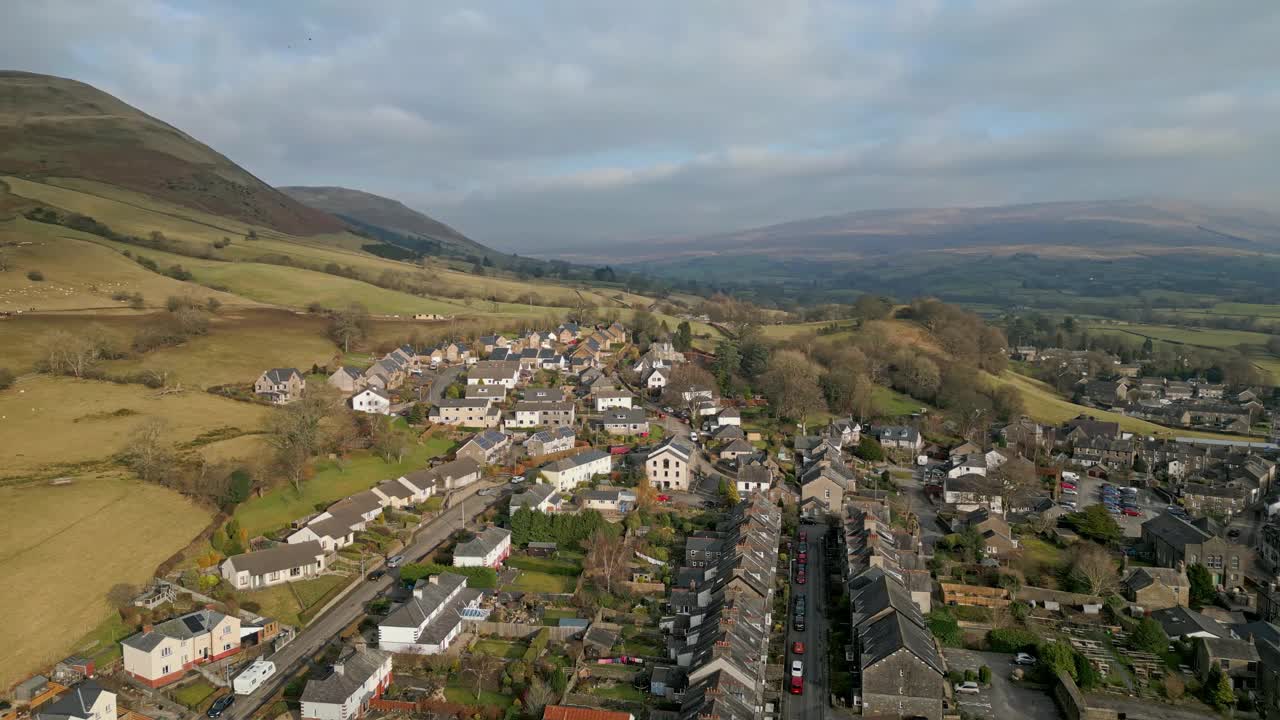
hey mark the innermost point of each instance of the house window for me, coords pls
(1226, 664)
(166, 652)
(226, 629)
(1235, 562)
(273, 576)
(164, 670)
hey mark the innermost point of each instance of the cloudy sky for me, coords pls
(550, 124)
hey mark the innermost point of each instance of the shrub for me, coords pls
(35, 276)
(970, 675)
(1011, 640)
(943, 625)
(984, 675)
(6, 378)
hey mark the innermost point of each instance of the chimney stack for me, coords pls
(148, 628)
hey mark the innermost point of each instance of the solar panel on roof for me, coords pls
(193, 623)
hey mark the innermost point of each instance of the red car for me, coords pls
(802, 558)
(797, 647)
(804, 536)
(797, 686)
(1132, 512)
(1068, 486)
(800, 579)
(664, 498)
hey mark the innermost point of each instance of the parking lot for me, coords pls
(1148, 502)
(1003, 700)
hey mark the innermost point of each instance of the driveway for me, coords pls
(1003, 700)
(442, 381)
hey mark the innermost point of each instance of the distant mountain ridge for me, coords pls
(1046, 228)
(371, 213)
(54, 127)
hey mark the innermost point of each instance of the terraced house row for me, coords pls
(721, 608)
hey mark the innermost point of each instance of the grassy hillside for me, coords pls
(54, 127)
(1252, 344)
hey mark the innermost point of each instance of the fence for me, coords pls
(524, 630)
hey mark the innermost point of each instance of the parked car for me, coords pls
(968, 687)
(395, 561)
(1233, 533)
(1023, 659)
(517, 479)
(797, 668)
(664, 498)
(797, 623)
(1069, 504)
(1067, 486)
(801, 579)
(797, 647)
(1113, 509)
(796, 686)
(804, 536)
(376, 574)
(220, 705)
(1069, 491)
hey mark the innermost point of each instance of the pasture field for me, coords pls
(891, 403)
(66, 546)
(281, 505)
(1202, 337)
(792, 330)
(239, 346)
(20, 334)
(284, 602)
(79, 273)
(51, 425)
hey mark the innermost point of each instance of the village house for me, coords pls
(1229, 499)
(899, 437)
(550, 441)
(823, 486)
(334, 529)
(488, 343)
(567, 473)
(625, 421)
(573, 712)
(997, 538)
(494, 372)
(346, 380)
(1158, 588)
(608, 399)
(543, 394)
(902, 672)
(355, 678)
(429, 621)
(84, 701)
(973, 491)
(287, 562)
(729, 416)
(657, 379)
(400, 492)
(280, 386)
(535, 413)
(1181, 623)
(372, 401)
(1178, 542)
(488, 447)
(608, 500)
(163, 653)
(487, 549)
(753, 478)
(491, 393)
(387, 374)
(735, 449)
(542, 497)
(466, 413)
(1237, 659)
(667, 466)
(452, 475)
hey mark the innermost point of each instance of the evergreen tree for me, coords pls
(683, 340)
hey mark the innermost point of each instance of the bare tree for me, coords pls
(481, 666)
(350, 325)
(65, 353)
(390, 441)
(538, 696)
(607, 559)
(684, 379)
(296, 431)
(148, 453)
(791, 384)
(1016, 476)
(1093, 565)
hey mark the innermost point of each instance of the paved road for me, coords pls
(292, 657)
(442, 381)
(1003, 700)
(812, 704)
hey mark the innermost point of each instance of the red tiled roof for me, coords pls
(561, 712)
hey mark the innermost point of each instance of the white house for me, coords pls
(550, 441)
(610, 500)
(333, 531)
(667, 467)
(536, 413)
(753, 478)
(432, 617)
(447, 476)
(372, 401)
(542, 497)
(86, 701)
(494, 372)
(657, 378)
(973, 491)
(287, 562)
(608, 399)
(487, 549)
(729, 416)
(402, 492)
(357, 676)
(567, 473)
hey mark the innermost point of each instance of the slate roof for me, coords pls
(352, 373)
(416, 610)
(463, 403)
(488, 439)
(183, 627)
(892, 633)
(574, 461)
(483, 543)
(755, 474)
(555, 433)
(278, 558)
(534, 496)
(1179, 621)
(1145, 577)
(1175, 531)
(973, 483)
(1230, 648)
(338, 687)
(281, 375)
(394, 488)
(544, 394)
(338, 525)
(737, 446)
(675, 446)
(624, 416)
(440, 473)
(76, 703)
(729, 432)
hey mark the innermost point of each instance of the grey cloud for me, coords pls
(559, 124)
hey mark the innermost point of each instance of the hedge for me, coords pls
(481, 578)
(1011, 640)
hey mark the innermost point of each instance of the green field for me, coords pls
(97, 532)
(464, 694)
(278, 507)
(193, 693)
(506, 649)
(891, 403)
(1202, 337)
(288, 602)
(540, 582)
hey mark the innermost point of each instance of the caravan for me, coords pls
(253, 677)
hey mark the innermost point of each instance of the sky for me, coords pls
(539, 126)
